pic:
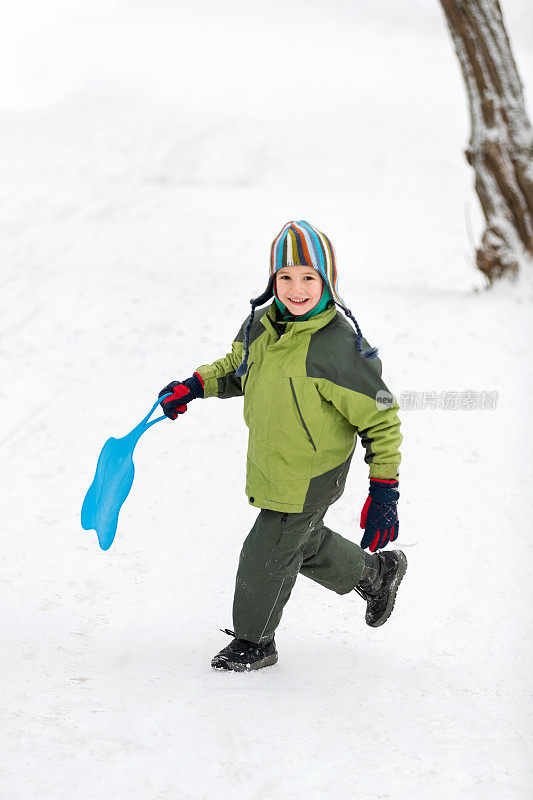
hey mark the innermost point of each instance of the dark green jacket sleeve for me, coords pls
(362, 397)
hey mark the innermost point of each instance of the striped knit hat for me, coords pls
(299, 244)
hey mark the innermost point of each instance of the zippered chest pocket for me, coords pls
(248, 390)
(246, 377)
(301, 415)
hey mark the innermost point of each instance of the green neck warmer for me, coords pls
(320, 306)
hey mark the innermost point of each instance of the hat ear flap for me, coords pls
(267, 294)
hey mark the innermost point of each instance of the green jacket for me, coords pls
(307, 395)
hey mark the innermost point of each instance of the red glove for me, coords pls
(379, 516)
(189, 389)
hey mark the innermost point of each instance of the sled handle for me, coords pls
(158, 419)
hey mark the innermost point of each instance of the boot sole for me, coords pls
(402, 569)
(235, 667)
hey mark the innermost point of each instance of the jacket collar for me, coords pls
(302, 326)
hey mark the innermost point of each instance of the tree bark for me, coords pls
(501, 140)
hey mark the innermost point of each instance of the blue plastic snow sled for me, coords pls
(112, 482)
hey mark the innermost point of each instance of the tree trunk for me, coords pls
(501, 140)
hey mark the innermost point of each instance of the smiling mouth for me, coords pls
(298, 302)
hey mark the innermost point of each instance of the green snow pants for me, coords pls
(278, 547)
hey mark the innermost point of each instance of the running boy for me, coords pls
(310, 387)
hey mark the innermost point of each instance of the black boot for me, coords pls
(243, 656)
(382, 574)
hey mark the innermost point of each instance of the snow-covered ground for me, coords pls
(150, 153)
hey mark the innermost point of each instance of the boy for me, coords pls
(309, 389)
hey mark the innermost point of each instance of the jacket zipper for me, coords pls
(246, 378)
(301, 417)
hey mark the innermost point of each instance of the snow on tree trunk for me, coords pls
(501, 142)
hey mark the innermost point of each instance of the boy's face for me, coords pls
(299, 288)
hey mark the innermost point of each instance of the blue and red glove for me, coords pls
(182, 393)
(379, 516)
